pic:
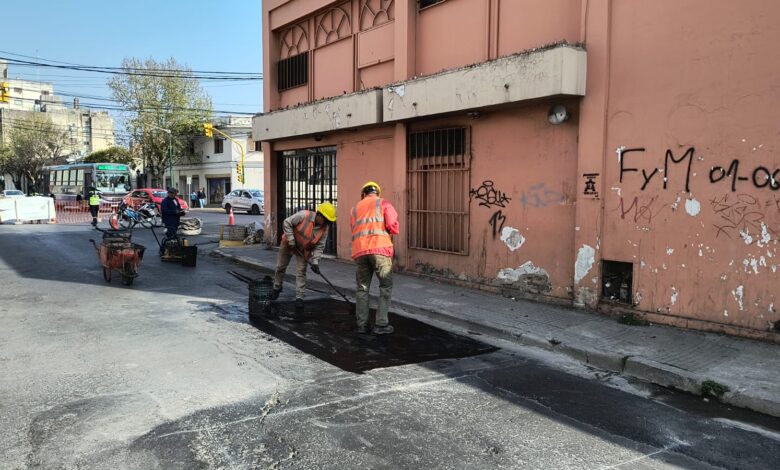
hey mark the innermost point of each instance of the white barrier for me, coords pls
(27, 209)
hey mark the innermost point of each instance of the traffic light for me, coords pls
(4, 96)
(240, 171)
(208, 129)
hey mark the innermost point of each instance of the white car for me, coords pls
(12, 193)
(250, 200)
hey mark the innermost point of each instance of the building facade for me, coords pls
(604, 154)
(214, 163)
(85, 130)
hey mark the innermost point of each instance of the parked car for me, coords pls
(12, 193)
(250, 200)
(138, 197)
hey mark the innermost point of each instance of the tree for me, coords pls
(34, 142)
(112, 155)
(161, 96)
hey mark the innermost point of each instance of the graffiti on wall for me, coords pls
(489, 196)
(649, 175)
(639, 209)
(678, 168)
(590, 185)
(497, 221)
(741, 213)
(540, 196)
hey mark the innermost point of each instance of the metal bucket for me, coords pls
(259, 295)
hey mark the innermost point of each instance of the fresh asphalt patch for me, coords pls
(326, 329)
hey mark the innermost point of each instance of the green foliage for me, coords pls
(33, 142)
(710, 387)
(161, 95)
(112, 155)
(630, 318)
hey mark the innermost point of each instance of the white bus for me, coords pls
(72, 182)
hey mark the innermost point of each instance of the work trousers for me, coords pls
(367, 266)
(94, 211)
(282, 261)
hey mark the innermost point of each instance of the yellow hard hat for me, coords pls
(328, 211)
(370, 184)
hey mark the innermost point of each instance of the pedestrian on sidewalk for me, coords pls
(94, 204)
(193, 199)
(373, 220)
(202, 198)
(304, 236)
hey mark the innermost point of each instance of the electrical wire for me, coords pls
(128, 72)
(259, 75)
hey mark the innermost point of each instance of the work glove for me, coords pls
(315, 268)
(291, 243)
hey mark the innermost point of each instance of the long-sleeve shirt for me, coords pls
(289, 225)
(169, 209)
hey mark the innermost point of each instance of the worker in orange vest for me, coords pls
(304, 236)
(373, 221)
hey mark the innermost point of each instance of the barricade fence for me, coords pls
(77, 212)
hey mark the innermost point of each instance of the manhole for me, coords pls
(326, 330)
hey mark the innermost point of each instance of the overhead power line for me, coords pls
(137, 72)
(141, 109)
(59, 64)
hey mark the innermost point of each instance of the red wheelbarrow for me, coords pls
(118, 253)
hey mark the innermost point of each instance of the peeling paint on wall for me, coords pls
(510, 275)
(739, 294)
(527, 278)
(746, 237)
(669, 251)
(585, 260)
(674, 295)
(692, 207)
(765, 237)
(512, 238)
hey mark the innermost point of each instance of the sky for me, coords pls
(205, 35)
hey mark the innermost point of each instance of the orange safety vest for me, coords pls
(304, 234)
(368, 226)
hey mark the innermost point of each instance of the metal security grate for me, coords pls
(293, 71)
(427, 3)
(438, 175)
(307, 177)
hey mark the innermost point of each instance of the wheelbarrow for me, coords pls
(117, 253)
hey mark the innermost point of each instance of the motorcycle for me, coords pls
(147, 216)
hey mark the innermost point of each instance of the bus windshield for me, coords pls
(112, 182)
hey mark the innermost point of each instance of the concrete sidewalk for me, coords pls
(682, 359)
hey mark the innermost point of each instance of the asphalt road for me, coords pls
(169, 373)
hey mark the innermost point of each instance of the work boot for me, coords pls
(383, 330)
(274, 294)
(298, 304)
(362, 330)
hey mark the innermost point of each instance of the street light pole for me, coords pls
(170, 152)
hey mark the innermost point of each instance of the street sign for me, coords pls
(189, 180)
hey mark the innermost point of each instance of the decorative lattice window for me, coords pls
(376, 12)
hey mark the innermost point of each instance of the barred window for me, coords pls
(427, 3)
(438, 179)
(293, 71)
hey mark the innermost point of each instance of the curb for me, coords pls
(637, 367)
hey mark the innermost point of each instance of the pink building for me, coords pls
(610, 154)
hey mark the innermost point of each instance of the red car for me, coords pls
(139, 196)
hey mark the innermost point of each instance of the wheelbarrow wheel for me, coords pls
(128, 274)
(107, 274)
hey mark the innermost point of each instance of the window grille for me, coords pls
(427, 3)
(293, 71)
(438, 174)
(307, 177)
